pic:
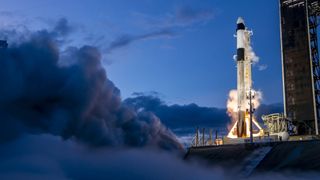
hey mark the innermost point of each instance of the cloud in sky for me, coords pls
(187, 16)
(262, 67)
(63, 27)
(126, 40)
(181, 17)
(167, 26)
(191, 115)
(20, 31)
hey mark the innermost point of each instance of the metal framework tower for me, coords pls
(313, 17)
(299, 20)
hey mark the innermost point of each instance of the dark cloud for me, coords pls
(191, 115)
(62, 27)
(75, 101)
(179, 116)
(22, 33)
(126, 40)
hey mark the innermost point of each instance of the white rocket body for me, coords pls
(244, 81)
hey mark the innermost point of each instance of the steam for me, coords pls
(249, 52)
(68, 94)
(252, 55)
(48, 157)
(232, 104)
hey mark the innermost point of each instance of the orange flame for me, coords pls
(232, 111)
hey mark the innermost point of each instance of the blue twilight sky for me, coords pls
(182, 49)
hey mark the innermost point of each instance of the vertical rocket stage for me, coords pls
(241, 86)
(241, 128)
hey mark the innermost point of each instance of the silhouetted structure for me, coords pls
(300, 63)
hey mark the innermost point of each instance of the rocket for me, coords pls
(244, 81)
(243, 127)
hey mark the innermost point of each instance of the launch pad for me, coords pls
(299, 20)
(246, 158)
(289, 141)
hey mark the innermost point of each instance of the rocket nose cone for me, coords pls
(240, 20)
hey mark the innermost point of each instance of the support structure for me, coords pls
(313, 17)
(251, 111)
(300, 63)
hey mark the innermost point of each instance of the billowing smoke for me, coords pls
(47, 157)
(232, 104)
(46, 91)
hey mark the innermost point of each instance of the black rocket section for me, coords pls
(240, 54)
(240, 51)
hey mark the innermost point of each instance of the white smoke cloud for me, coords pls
(39, 157)
(48, 157)
(252, 55)
(232, 104)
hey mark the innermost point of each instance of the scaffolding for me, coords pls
(205, 139)
(277, 123)
(313, 17)
(299, 20)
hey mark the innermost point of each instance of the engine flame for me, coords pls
(232, 110)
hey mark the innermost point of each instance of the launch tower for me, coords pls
(300, 63)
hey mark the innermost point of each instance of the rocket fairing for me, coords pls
(244, 81)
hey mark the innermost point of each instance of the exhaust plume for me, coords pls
(45, 91)
(232, 105)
